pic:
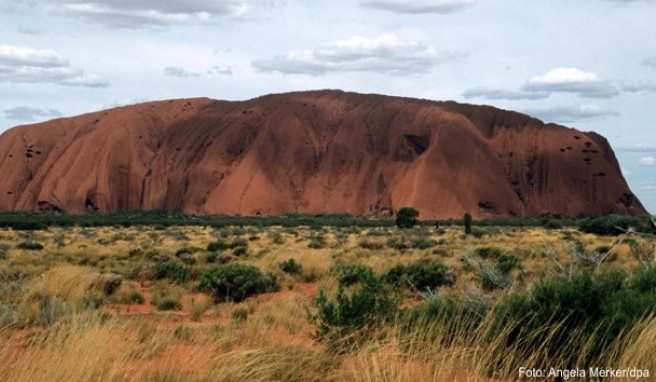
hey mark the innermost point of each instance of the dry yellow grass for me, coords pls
(204, 342)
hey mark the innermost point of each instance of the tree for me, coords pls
(468, 223)
(407, 217)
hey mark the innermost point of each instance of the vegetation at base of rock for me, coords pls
(407, 217)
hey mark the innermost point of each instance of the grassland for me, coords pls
(127, 303)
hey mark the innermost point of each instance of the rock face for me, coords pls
(311, 152)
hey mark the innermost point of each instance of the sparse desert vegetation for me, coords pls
(321, 302)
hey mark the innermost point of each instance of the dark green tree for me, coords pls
(407, 217)
(468, 223)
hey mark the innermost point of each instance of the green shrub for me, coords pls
(168, 303)
(553, 224)
(186, 251)
(350, 274)
(317, 242)
(219, 245)
(588, 311)
(352, 317)
(277, 238)
(291, 267)
(397, 243)
(423, 243)
(211, 257)
(420, 276)
(136, 252)
(407, 217)
(133, 298)
(30, 246)
(467, 219)
(506, 263)
(240, 251)
(372, 245)
(488, 252)
(616, 224)
(172, 270)
(4, 249)
(235, 282)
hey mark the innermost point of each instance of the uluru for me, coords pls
(311, 152)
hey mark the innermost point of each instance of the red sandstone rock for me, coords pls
(311, 152)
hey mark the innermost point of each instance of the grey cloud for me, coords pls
(175, 71)
(640, 148)
(26, 65)
(382, 54)
(26, 113)
(29, 30)
(597, 89)
(637, 87)
(140, 13)
(418, 6)
(650, 62)
(501, 94)
(569, 114)
(220, 70)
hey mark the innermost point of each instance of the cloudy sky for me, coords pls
(589, 64)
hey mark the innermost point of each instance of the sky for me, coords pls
(588, 64)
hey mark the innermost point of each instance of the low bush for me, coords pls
(420, 276)
(219, 245)
(236, 282)
(317, 242)
(30, 246)
(423, 243)
(616, 224)
(353, 317)
(506, 263)
(168, 304)
(372, 245)
(589, 311)
(172, 270)
(350, 274)
(186, 251)
(291, 267)
(240, 251)
(397, 243)
(488, 252)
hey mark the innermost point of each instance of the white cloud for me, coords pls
(26, 113)
(386, 53)
(647, 161)
(139, 13)
(418, 6)
(499, 94)
(26, 65)
(571, 80)
(569, 114)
